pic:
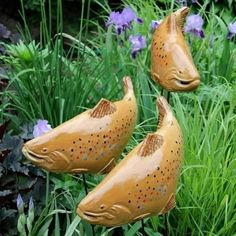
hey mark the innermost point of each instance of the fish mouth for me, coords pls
(36, 158)
(187, 83)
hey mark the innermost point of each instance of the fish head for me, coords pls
(172, 63)
(47, 152)
(104, 208)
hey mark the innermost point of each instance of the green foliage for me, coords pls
(17, 176)
(62, 75)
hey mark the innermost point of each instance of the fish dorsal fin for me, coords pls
(103, 108)
(152, 143)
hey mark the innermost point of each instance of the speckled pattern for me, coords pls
(144, 182)
(172, 65)
(91, 141)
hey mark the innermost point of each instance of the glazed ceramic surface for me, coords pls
(172, 65)
(144, 182)
(91, 141)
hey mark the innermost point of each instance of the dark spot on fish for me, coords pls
(158, 168)
(80, 139)
(129, 201)
(73, 142)
(90, 149)
(72, 150)
(154, 176)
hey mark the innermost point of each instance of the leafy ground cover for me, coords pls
(63, 75)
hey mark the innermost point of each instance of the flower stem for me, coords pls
(47, 188)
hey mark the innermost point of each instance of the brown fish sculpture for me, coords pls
(89, 142)
(144, 182)
(172, 65)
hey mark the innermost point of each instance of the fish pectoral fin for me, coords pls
(108, 167)
(171, 203)
(151, 144)
(78, 170)
(141, 216)
(103, 108)
(155, 76)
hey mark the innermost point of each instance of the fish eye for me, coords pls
(45, 149)
(102, 206)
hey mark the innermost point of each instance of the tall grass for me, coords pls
(56, 84)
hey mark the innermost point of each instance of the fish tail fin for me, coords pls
(128, 87)
(181, 15)
(164, 108)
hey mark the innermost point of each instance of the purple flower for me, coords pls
(194, 25)
(20, 204)
(138, 42)
(41, 128)
(31, 203)
(123, 20)
(129, 16)
(154, 24)
(232, 30)
(184, 2)
(4, 32)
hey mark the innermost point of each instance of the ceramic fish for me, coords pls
(144, 182)
(172, 65)
(89, 142)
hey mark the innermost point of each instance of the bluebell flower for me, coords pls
(123, 20)
(194, 25)
(138, 42)
(41, 128)
(231, 30)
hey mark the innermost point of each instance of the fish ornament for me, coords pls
(89, 142)
(172, 65)
(144, 182)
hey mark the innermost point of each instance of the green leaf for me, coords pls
(73, 226)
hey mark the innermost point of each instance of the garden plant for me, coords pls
(49, 80)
